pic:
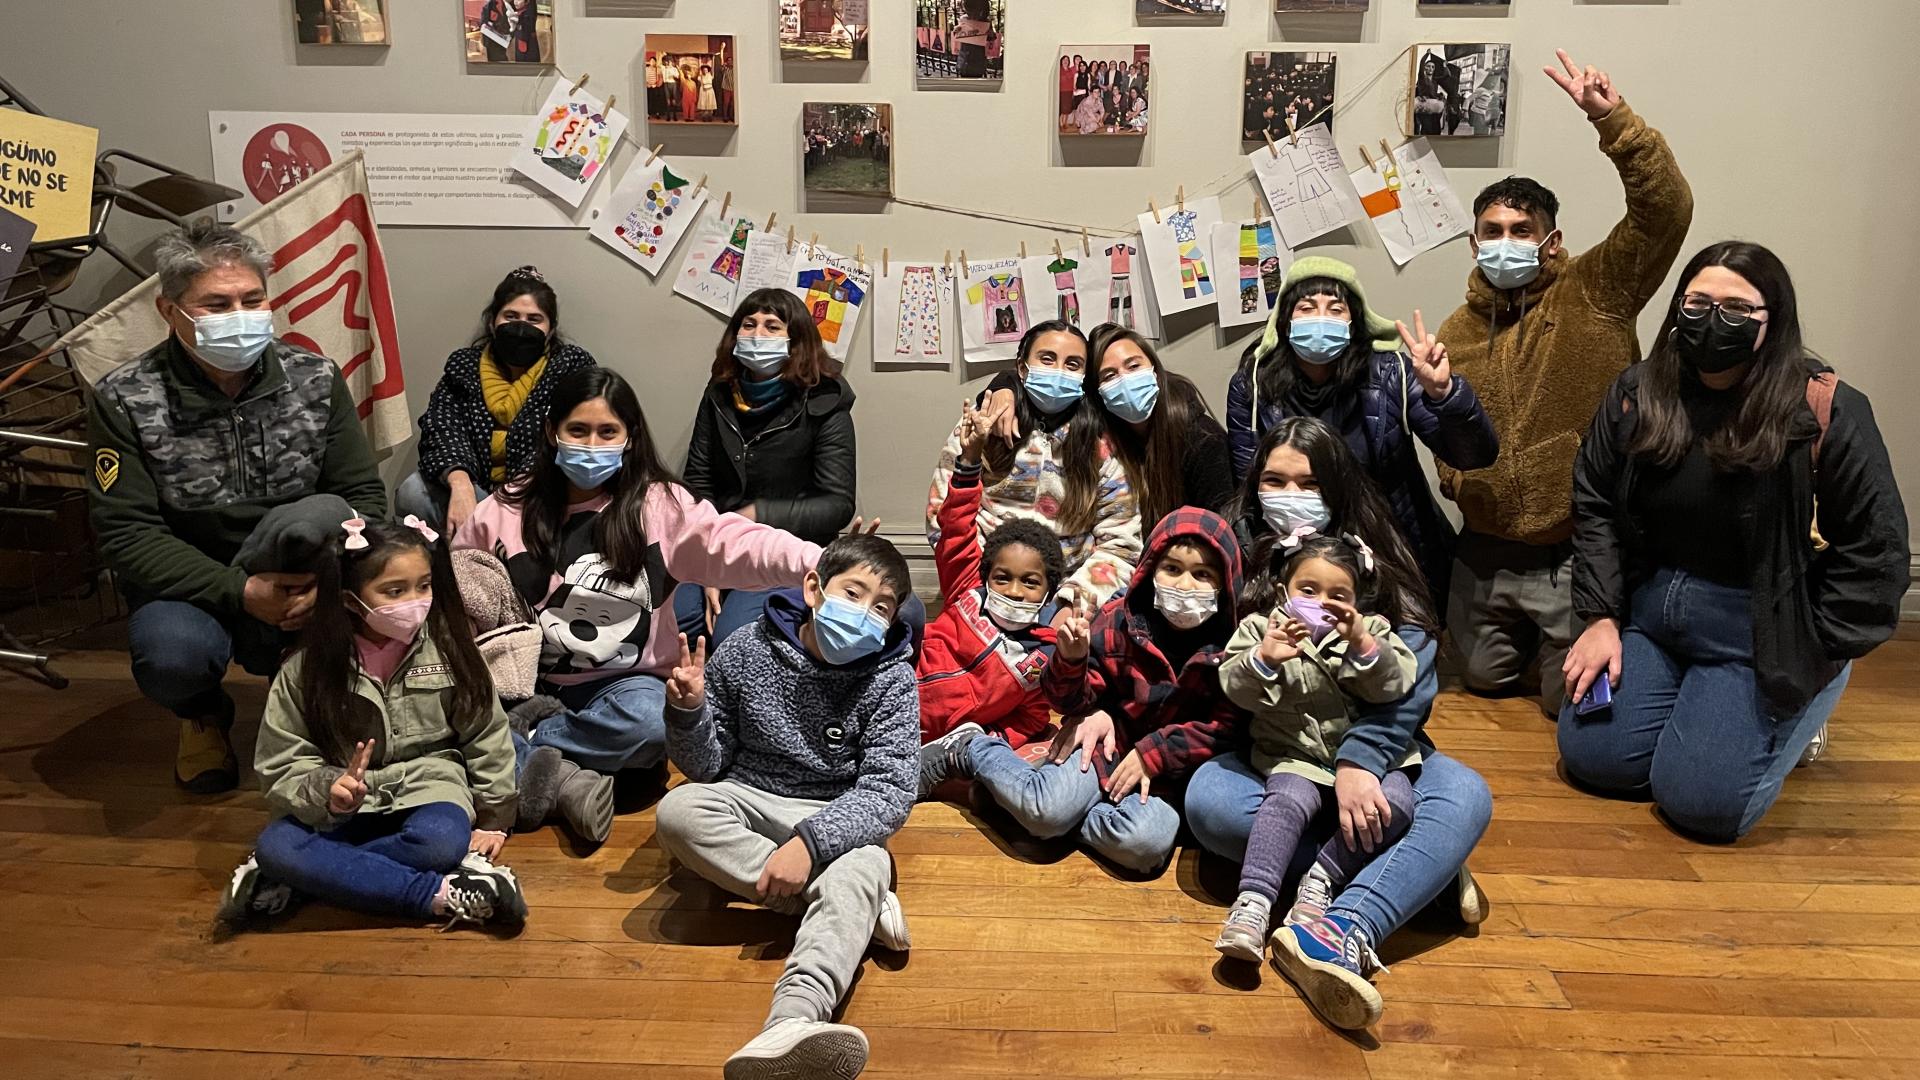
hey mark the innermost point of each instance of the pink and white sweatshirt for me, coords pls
(596, 627)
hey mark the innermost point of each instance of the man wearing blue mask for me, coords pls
(1541, 337)
(193, 442)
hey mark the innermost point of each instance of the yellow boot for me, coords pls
(204, 763)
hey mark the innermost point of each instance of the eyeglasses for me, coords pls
(1732, 311)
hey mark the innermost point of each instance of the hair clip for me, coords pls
(412, 521)
(1359, 545)
(355, 527)
(1299, 536)
(530, 271)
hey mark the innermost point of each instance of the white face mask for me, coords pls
(233, 340)
(1186, 609)
(1011, 614)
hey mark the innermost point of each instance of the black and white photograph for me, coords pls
(1284, 92)
(1459, 91)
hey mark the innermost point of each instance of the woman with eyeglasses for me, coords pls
(1738, 541)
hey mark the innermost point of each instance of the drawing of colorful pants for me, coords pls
(1069, 297)
(1195, 281)
(1120, 304)
(919, 332)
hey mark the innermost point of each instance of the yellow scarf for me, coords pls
(504, 400)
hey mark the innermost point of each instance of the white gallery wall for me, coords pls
(1793, 119)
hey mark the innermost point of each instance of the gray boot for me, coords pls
(585, 802)
(540, 784)
(526, 716)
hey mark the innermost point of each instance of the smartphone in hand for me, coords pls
(1598, 696)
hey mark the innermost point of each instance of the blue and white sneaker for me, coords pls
(1330, 961)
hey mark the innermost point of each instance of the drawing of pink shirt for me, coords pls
(999, 298)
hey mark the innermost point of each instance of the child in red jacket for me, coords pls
(982, 660)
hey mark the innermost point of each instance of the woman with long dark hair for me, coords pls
(1307, 483)
(772, 442)
(484, 421)
(1052, 466)
(1327, 354)
(1173, 450)
(1738, 542)
(594, 534)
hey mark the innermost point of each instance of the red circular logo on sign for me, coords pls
(279, 157)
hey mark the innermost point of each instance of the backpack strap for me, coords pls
(1820, 399)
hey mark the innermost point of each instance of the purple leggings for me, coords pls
(1293, 801)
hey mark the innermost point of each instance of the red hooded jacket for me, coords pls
(971, 669)
(1175, 718)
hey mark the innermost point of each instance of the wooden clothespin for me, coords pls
(790, 239)
(607, 109)
(1385, 150)
(655, 155)
(949, 263)
(1023, 249)
(702, 185)
(1155, 210)
(771, 218)
(963, 264)
(1180, 198)
(584, 76)
(813, 246)
(860, 256)
(1271, 148)
(885, 256)
(1058, 255)
(1086, 242)
(1293, 136)
(726, 204)
(1259, 210)
(1368, 158)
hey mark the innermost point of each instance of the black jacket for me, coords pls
(456, 431)
(798, 472)
(1812, 611)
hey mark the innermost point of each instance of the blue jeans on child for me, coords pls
(609, 725)
(384, 864)
(1688, 726)
(180, 654)
(738, 608)
(1055, 799)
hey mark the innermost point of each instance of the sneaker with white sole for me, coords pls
(251, 893)
(1473, 902)
(480, 892)
(1245, 928)
(890, 929)
(1331, 963)
(794, 1049)
(1313, 899)
(946, 757)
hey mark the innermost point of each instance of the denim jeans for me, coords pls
(1688, 726)
(427, 499)
(738, 608)
(180, 654)
(1292, 804)
(385, 864)
(609, 725)
(1056, 799)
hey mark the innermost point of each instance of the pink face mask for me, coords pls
(401, 621)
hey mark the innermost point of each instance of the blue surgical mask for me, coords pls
(1508, 263)
(588, 467)
(1289, 510)
(761, 355)
(233, 340)
(846, 632)
(1052, 390)
(1132, 397)
(1319, 339)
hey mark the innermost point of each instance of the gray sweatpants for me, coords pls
(726, 831)
(1510, 612)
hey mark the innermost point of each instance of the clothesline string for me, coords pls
(1219, 185)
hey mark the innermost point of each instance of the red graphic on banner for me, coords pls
(356, 269)
(279, 157)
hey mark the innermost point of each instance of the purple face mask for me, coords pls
(1313, 613)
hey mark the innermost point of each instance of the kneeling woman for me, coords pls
(1726, 648)
(593, 538)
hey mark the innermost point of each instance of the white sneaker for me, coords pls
(890, 929)
(1473, 902)
(794, 1049)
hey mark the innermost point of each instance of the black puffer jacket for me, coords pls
(798, 471)
(1812, 610)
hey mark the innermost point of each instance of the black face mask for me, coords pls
(1708, 345)
(518, 344)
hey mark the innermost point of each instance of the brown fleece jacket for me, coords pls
(1542, 358)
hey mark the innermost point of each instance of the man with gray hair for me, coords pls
(194, 441)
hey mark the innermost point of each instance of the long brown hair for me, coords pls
(1771, 394)
(1080, 453)
(1156, 462)
(807, 359)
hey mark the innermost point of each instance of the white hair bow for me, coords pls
(355, 527)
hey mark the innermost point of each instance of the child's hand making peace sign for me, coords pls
(350, 790)
(687, 683)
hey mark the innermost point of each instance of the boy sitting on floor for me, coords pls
(801, 742)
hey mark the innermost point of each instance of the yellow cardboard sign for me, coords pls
(46, 173)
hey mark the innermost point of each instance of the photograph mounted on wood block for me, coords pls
(1178, 11)
(340, 22)
(823, 29)
(1459, 91)
(508, 31)
(848, 147)
(1288, 7)
(1284, 92)
(691, 79)
(1103, 89)
(960, 40)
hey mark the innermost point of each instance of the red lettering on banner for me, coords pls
(354, 215)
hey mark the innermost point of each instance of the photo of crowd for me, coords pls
(823, 29)
(690, 79)
(1459, 90)
(1286, 91)
(1103, 89)
(960, 39)
(847, 147)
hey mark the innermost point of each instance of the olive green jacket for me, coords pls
(420, 758)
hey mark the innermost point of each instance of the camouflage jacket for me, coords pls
(182, 473)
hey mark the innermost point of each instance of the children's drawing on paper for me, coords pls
(1252, 263)
(1130, 300)
(768, 264)
(993, 310)
(569, 143)
(659, 207)
(918, 322)
(1411, 202)
(716, 252)
(1120, 257)
(1176, 242)
(1306, 185)
(833, 287)
(1070, 285)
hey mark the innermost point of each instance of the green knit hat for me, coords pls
(1384, 334)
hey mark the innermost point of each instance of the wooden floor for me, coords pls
(1614, 948)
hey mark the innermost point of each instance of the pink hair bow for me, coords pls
(412, 521)
(355, 527)
(1359, 545)
(1300, 535)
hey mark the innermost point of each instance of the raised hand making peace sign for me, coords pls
(1430, 364)
(975, 426)
(350, 790)
(687, 683)
(1073, 634)
(1591, 89)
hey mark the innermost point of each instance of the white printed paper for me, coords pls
(1178, 248)
(1306, 185)
(1413, 206)
(834, 289)
(569, 142)
(1250, 260)
(649, 213)
(709, 273)
(916, 315)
